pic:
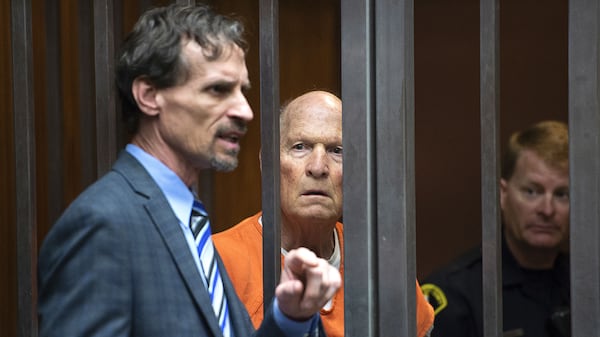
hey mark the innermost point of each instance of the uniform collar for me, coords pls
(513, 274)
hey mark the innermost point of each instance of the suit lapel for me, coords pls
(167, 225)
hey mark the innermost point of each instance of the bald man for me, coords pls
(311, 205)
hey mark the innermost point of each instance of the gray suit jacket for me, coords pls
(117, 264)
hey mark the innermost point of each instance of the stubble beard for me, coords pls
(228, 160)
(227, 164)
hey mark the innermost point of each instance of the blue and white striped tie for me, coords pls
(200, 226)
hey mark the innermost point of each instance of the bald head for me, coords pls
(318, 103)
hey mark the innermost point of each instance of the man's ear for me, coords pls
(503, 187)
(144, 94)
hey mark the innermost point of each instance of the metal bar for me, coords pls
(24, 123)
(87, 119)
(106, 139)
(54, 124)
(360, 276)
(490, 167)
(269, 123)
(584, 165)
(395, 167)
(118, 21)
(144, 5)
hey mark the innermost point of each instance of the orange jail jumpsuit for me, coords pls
(240, 248)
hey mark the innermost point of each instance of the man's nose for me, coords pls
(241, 109)
(546, 205)
(317, 163)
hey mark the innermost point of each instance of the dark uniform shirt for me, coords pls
(531, 298)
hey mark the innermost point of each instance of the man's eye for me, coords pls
(219, 89)
(298, 147)
(562, 195)
(338, 150)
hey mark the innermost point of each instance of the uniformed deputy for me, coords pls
(535, 273)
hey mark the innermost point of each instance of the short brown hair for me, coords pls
(548, 139)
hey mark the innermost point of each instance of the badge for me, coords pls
(435, 296)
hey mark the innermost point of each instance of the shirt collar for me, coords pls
(513, 274)
(336, 257)
(178, 195)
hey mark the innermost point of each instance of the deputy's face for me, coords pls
(311, 158)
(203, 119)
(535, 203)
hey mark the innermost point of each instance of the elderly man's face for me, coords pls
(535, 203)
(203, 119)
(311, 159)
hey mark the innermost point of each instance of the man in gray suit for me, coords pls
(123, 259)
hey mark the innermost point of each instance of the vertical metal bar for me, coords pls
(144, 5)
(24, 123)
(360, 277)
(54, 124)
(269, 123)
(87, 121)
(584, 157)
(490, 168)
(395, 167)
(106, 138)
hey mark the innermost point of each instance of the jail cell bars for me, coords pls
(377, 86)
(584, 165)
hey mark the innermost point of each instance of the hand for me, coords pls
(307, 283)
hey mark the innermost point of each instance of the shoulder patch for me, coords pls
(435, 296)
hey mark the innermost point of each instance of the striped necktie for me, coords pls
(200, 226)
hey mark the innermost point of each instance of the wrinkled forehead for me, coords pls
(317, 118)
(230, 64)
(216, 50)
(313, 125)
